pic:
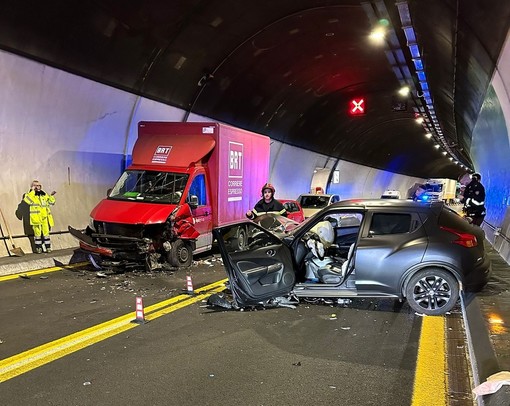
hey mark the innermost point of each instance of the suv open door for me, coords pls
(260, 269)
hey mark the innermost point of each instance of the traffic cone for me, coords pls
(189, 285)
(140, 315)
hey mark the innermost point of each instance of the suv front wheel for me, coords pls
(432, 291)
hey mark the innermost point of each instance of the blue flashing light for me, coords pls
(421, 76)
(424, 86)
(428, 100)
(426, 94)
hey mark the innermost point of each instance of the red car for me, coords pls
(294, 210)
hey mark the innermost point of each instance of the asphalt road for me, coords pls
(363, 354)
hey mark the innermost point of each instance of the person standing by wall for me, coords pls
(41, 218)
(268, 204)
(474, 200)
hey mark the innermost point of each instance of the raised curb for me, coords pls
(483, 358)
(32, 262)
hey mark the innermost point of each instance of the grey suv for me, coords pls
(424, 252)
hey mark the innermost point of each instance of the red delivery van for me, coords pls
(184, 180)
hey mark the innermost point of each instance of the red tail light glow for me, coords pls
(465, 239)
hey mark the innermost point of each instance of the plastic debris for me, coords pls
(219, 301)
(493, 383)
(24, 276)
(285, 302)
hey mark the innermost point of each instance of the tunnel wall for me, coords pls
(491, 151)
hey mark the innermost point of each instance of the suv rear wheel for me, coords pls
(432, 291)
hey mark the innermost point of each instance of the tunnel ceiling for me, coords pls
(289, 68)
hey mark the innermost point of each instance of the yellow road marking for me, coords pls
(430, 384)
(21, 363)
(42, 271)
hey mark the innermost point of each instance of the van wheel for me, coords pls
(432, 292)
(180, 255)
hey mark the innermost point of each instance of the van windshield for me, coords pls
(150, 186)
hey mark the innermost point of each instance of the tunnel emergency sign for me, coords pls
(357, 107)
(235, 171)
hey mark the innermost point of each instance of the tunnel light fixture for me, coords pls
(428, 135)
(414, 49)
(450, 158)
(421, 76)
(444, 152)
(436, 146)
(378, 35)
(404, 91)
(419, 119)
(425, 98)
(418, 64)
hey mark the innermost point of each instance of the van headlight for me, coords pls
(91, 224)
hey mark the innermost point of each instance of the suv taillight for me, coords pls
(465, 239)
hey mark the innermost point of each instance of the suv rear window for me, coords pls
(390, 223)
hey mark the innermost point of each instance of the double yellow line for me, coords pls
(46, 353)
(40, 271)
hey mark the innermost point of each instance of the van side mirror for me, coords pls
(108, 192)
(193, 201)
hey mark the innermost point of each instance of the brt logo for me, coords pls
(236, 158)
(161, 154)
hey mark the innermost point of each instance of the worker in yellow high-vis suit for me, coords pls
(41, 219)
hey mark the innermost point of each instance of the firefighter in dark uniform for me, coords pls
(268, 204)
(474, 200)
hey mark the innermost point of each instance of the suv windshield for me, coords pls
(150, 186)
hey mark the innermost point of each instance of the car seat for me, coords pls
(335, 272)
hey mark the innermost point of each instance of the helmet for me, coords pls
(477, 176)
(268, 186)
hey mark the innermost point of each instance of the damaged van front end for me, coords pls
(165, 241)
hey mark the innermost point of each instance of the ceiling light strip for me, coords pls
(414, 49)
